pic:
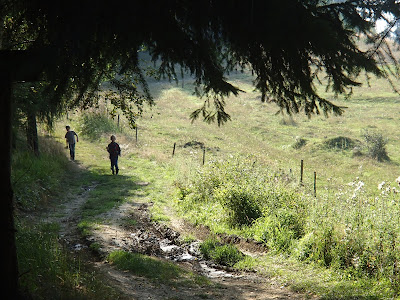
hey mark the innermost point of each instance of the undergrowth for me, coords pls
(238, 195)
(223, 254)
(35, 178)
(48, 270)
(350, 232)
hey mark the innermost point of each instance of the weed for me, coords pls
(227, 255)
(249, 198)
(34, 178)
(240, 204)
(376, 145)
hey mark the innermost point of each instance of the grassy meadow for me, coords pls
(257, 130)
(250, 183)
(342, 243)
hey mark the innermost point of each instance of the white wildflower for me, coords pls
(359, 186)
(355, 261)
(381, 185)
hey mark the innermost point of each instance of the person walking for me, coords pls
(114, 150)
(70, 140)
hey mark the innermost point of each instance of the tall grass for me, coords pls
(34, 179)
(242, 196)
(349, 231)
(47, 269)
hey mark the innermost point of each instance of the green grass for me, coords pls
(223, 254)
(349, 233)
(156, 269)
(256, 130)
(48, 270)
(146, 266)
(34, 179)
(314, 248)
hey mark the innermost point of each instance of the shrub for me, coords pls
(376, 145)
(242, 196)
(300, 142)
(340, 142)
(227, 255)
(281, 229)
(240, 203)
(304, 247)
(93, 125)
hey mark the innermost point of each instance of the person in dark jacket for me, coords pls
(70, 140)
(114, 150)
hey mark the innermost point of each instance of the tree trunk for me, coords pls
(9, 265)
(31, 133)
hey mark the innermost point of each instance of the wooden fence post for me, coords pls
(204, 154)
(315, 184)
(136, 128)
(301, 171)
(173, 151)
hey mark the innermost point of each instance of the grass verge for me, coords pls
(155, 269)
(48, 269)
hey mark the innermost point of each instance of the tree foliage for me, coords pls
(290, 45)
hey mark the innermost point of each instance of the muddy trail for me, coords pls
(164, 243)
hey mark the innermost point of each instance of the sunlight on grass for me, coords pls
(155, 269)
(333, 148)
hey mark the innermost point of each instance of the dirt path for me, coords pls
(163, 242)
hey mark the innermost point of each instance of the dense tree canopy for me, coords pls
(290, 45)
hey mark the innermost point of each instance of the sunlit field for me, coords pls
(341, 215)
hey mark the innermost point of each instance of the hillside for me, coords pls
(339, 243)
(257, 129)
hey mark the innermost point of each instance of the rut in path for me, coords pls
(160, 241)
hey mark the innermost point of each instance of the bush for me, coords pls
(349, 231)
(376, 145)
(340, 142)
(239, 195)
(227, 255)
(240, 203)
(282, 229)
(93, 125)
(300, 142)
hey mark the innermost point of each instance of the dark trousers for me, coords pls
(72, 151)
(114, 164)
